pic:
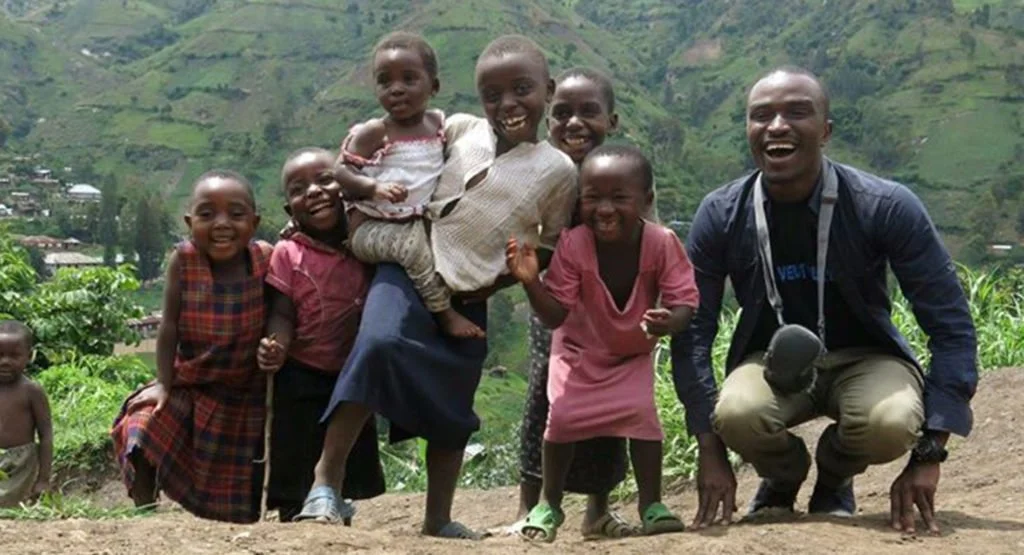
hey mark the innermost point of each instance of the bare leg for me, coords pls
(646, 458)
(143, 491)
(343, 430)
(597, 507)
(443, 466)
(555, 463)
(529, 495)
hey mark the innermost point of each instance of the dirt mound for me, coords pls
(981, 510)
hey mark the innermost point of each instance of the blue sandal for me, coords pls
(323, 505)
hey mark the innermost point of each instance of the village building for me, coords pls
(1000, 249)
(57, 260)
(46, 243)
(146, 326)
(24, 204)
(83, 192)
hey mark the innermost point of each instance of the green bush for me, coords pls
(79, 311)
(85, 395)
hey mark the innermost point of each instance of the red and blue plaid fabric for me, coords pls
(205, 440)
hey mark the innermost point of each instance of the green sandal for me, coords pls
(543, 519)
(659, 520)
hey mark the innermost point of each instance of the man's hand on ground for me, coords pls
(716, 483)
(914, 487)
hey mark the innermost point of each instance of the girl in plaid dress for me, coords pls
(195, 432)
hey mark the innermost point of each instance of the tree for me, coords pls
(37, 259)
(5, 131)
(969, 43)
(108, 232)
(79, 312)
(569, 50)
(152, 231)
(1020, 222)
(983, 218)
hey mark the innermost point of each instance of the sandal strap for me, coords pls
(658, 511)
(543, 513)
(321, 502)
(457, 530)
(616, 522)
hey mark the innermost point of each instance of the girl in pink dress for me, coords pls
(601, 295)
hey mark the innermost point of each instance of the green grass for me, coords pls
(85, 395)
(188, 138)
(965, 6)
(149, 359)
(984, 136)
(55, 506)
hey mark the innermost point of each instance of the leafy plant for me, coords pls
(85, 394)
(79, 311)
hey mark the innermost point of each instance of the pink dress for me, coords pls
(601, 374)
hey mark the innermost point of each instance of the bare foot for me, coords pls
(456, 325)
(143, 491)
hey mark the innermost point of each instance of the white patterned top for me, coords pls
(528, 192)
(414, 162)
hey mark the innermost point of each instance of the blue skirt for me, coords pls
(403, 368)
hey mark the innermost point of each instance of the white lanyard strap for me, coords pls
(829, 196)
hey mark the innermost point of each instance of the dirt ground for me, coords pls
(980, 503)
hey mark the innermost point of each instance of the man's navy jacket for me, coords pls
(875, 222)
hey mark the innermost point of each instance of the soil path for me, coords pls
(981, 510)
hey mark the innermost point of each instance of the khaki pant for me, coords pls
(875, 400)
(407, 244)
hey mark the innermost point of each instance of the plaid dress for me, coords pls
(205, 440)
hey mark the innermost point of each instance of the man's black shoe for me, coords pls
(835, 501)
(773, 494)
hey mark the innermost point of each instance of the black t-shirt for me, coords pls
(793, 228)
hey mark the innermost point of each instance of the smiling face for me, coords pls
(580, 119)
(15, 354)
(787, 127)
(403, 84)
(314, 197)
(222, 218)
(514, 88)
(613, 197)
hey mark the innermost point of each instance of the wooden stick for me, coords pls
(267, 428)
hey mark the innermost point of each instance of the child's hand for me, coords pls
(270, 355)
(156, 395)
(522, 261)
(390, 192)
(658, 322)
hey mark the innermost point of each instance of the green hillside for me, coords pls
(930, 92)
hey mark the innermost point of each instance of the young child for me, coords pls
(505, 182)
(400, 157)
(601, 380)
(582, 114)
(24, 415)
(316, 300)
(195, 432)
